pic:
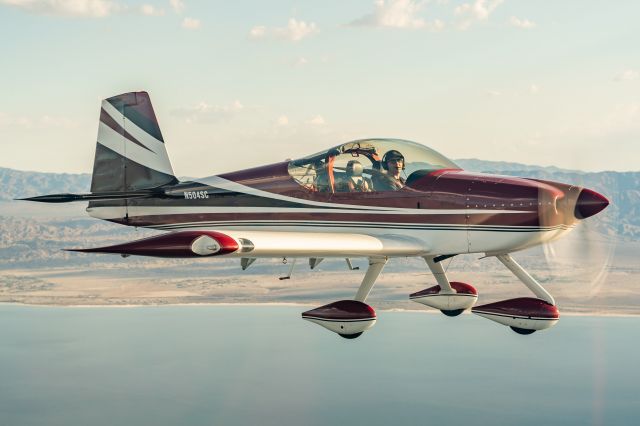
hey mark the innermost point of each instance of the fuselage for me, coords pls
(451, 209)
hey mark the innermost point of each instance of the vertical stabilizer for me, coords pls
(130, 153)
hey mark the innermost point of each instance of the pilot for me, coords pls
(355, 181)
(393, 164)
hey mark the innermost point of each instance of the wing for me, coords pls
(202, 243)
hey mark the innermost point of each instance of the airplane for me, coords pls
(372, 198)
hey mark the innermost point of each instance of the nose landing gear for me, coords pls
(451, 298)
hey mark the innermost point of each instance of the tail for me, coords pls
(130, 153)
(131, 159)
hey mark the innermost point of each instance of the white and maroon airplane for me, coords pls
(373, 198)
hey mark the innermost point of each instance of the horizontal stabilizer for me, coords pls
(67, 198)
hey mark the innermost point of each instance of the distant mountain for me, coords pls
(476, 165)
(622, 188)
(20, 184)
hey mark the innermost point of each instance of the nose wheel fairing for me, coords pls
(451, 298)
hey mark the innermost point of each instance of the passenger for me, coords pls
(393, 164)
(355, 181)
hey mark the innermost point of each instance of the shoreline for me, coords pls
(289, 304)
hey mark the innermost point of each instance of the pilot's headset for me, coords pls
(354, 171)
(392, 155)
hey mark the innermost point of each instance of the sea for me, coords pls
(264, 365)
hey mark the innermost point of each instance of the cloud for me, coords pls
(627, 75)
(534, 88)
(258, 31)
(470, 13)
(56, 121)
(71, 8)
(44, 122)
(492, 93)
(301, 62)
(619, 120)
(521, 23)
(177, 5)
(318, 120)
(191, 23)
(393, 14)
(150, 10)
(8, 120)
(206, 113)
(282, 121)
(294, 31)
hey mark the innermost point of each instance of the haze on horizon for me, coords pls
(244, 83)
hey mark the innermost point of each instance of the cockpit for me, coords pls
(367, 165)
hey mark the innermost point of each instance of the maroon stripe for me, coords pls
(500, 219)
(109, 121)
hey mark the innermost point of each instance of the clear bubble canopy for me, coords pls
(324, 168)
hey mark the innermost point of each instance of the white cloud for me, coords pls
(301, 61)
(622, 118)
(394, 14)
(398, 14)
(177, 5)
(72, 8)
(492, 93)
(46, 121)
(191, 23)
(521, 23)
(258, 31)
(56, 121)
(150, 10)
(206, 113)
(470, 13)
(283, 120)
(627, 75)
(8, 120)
(294, 31)
(318, 120)
(534, 88)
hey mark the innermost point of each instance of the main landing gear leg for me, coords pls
(438, 273)
(373, 271)
(526, 279)
(451, 298)
(350, 318)
(524, 315)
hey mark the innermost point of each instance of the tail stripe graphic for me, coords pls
(105, 118)
(141, 115)
(143, 156)
(139, 134)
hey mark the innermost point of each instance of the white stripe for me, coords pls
(118, 143)
(164, 210)
(395, 225)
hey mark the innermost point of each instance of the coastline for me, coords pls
(427, 311)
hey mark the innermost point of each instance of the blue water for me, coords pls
(239, 365)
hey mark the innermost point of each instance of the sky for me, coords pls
(244, 83)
